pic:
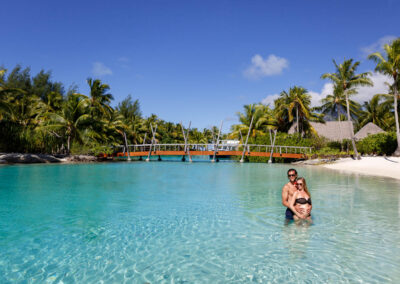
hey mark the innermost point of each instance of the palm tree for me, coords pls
(132, 117)
(146, 126)
(114, 127)
(389, 64)
(54, 101)
(388, 103)
(71, 122)
(345, 78)
(262, 120)
(8, 96)
(4, 105)
(99, 99)
(296, 104)
(334, 104)
(26, 109)
(196, 137)
(376, 113)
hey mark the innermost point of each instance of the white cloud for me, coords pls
(124, 62)
(123, 59)
(366, 93)
(99, 69)
(269, 100)
(378, 45)
(273, 65)
(316, 97)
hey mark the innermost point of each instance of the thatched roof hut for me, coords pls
(332, 130)
(368, 129)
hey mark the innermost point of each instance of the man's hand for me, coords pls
(303, 216)
(302, 211)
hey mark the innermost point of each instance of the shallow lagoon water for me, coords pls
(174, 222)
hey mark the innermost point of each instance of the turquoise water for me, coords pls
(174, 222)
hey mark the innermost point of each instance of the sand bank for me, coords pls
(374, 166)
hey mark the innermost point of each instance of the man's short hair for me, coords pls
(292, 170)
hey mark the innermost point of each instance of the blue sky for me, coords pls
(198, 61)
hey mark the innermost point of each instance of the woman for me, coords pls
(300, 203)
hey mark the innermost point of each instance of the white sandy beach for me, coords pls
(374, 166)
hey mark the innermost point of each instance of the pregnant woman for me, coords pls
(301, 201)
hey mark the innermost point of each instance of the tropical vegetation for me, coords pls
(389, 64)
(346, 80)
(38, 114)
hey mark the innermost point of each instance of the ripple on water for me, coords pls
(210, 224)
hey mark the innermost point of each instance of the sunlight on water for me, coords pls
(174, 222)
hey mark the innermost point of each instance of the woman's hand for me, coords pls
(299, 214)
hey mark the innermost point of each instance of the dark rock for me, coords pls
(80, 158)
(18, 158)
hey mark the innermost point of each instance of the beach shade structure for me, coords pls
(369, 128)
(331, 130)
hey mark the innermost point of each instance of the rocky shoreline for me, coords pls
(19, 158)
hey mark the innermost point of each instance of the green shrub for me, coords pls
(282, 139)
(91, 149)
(380, 144)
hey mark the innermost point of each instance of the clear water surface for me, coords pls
(174, 222)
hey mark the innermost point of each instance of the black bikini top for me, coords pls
(303, 201)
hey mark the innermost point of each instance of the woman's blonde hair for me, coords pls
(305, 188)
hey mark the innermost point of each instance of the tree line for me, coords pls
(293, 107)
(38, 114)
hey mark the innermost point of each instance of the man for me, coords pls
(287, 193)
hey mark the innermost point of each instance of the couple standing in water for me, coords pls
(296, 197)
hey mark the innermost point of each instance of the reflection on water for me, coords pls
(193, 222)
(296, 235)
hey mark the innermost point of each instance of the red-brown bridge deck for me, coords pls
(207, 153)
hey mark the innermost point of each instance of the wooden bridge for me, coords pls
(215, 150)
(211, 150)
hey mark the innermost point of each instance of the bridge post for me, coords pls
(241, 136)
(187, 140)
(144, 141)
(152, 141)
(186, 137)
(216, 145)
(273, 145)
(127, 148)
(247, 139)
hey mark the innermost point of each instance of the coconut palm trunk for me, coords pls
(352, 130)
(396, 118)
(340, 129)
(69, 144)
(297, 119)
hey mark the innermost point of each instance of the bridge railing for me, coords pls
(221, 147)
(279, 149)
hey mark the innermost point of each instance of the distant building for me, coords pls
(229, 144)
(331, 130)
(369, 128)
